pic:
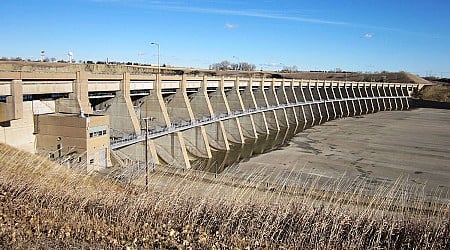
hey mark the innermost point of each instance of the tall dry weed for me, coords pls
(49, 206)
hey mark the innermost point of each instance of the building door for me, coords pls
(102, 158)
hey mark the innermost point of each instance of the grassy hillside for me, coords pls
(439, 93)
(43, 205)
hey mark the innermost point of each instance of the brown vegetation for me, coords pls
(438, 93)
(44, 205)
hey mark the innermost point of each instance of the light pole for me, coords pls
(146, 119)
(239, 62)
(157, 45)
(42, 55)
(158, 79)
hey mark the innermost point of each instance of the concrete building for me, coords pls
(81, 139)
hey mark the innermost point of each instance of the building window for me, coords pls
(79, 159)
(91, 161)
(97, 131)
(51, 156)
(59, 149)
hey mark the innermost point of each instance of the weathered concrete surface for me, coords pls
(376, 148)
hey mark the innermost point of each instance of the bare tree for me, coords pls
(226, 65)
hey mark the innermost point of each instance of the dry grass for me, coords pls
(43, 205)
(439, 93)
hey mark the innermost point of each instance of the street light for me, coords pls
(239, 62)
(158, 79)
(147, 119)
(157, 45)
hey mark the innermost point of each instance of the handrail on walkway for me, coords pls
(185, 125)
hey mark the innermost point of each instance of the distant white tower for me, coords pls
(70, 55)
(42, 55)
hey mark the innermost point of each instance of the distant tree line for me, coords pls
(289, 69)
(226, 65)
(434, 78)
(53, 59)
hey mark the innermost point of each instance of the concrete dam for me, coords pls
(100, 116)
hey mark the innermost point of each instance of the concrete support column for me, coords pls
(300, 110)
(171, 148)
(259, 119)
(343, 103)
(315, 110)
(362, 102)
(374, 99)
(351, 95)
(370, 102)
(350, 108)
(340, 103)
(201, 107)
(249, 102)
(376, 92)
(78, 101)
(402, 98)
(153, 106)
(232, 103)
(365, 94)
(390, 100)
(335, 104)
(381, 99)
(309, 110)
(398, 100)
(395, 99)
(180, 111)
(261, 101)
(286, 96)
(17, 98)
(356, 102)
(273, 101)
(277, 95)
(123, 118)
(405, 95)
(387, 101)
(13, 108)
(178, 107)
(325, 112)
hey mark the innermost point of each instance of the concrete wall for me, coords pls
(80, 139)
(19, 133)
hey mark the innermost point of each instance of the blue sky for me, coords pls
(354, 35)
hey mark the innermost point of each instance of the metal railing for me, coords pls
(185, 125)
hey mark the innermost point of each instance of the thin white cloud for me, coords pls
(367, 36)
(251, 13)
(181, 7)
(231, 26)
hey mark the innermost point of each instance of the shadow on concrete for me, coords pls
(419, 103)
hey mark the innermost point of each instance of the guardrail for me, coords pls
(185, 125)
